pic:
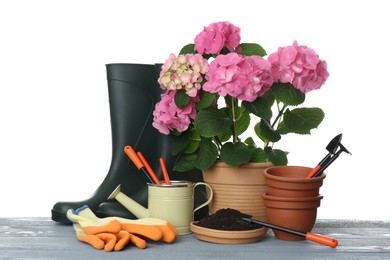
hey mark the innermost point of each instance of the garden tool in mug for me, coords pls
(173, 203)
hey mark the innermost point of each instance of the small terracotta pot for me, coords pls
(290, 181)
(295, 213)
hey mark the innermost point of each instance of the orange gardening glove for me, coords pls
(149, 228)
(108, 241)
(109, 236)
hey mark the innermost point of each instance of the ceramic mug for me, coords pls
(175, 203)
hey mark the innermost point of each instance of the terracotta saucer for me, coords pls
(227, 237)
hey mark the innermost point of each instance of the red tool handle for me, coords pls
(133, 156)
(312, 172)
(148, 168)
(164, 171)
(327, 241)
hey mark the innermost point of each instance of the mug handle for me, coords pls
(209, 199)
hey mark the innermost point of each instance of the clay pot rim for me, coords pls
(246, 165)
(227, 237)
(291, 199)
(292, 179)
(227, 232)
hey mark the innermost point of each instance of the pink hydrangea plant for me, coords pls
(183, 72)
(242, 77)
(268, 90)
(168, 117)
(217, 35)
(300, 66)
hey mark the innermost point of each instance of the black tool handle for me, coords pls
(269, 225)
(326, 165)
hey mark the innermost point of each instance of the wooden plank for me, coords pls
(41, 238)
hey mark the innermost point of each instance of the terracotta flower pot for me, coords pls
(294, 213)
(238, 188)
(290, 181)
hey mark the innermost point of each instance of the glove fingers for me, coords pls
(173, 228)
(169, 234)
(123, 239)
(92, 240)
(109, 239)
(112, 227)
(147, 231)
(138, 242)
(157, 222)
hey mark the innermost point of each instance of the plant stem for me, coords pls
(234, 122)
(278, 117)
(218, 143)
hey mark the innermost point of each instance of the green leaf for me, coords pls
(268, 98)
(257, 155)
(235, 154)
(282, 129)
(242, 118)
(225, 135)
(206, 99)
(191, 147)
(286, 93)
(249, 141)
(257, 131)
(249, 49)
(243, 121)
(189, 48)
(179, 143)
(211, 121)
(276, 157)
(260, 107)
(268, 133)
(264, 131)
(181, 98)
(185, 163)
(207, 155)
(302, 120)
(194, 141)
(229, 100)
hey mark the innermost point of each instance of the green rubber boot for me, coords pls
(162, 146)
(133, 93)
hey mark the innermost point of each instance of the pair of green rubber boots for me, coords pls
(133, 93)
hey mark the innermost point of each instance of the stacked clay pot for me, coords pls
(292, 200)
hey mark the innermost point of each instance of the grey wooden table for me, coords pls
(41, 238)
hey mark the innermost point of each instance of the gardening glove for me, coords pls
(109, 236)
(149, 228)
(107, 241)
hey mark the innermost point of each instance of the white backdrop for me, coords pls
(55, 140)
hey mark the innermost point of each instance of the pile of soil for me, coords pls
(227, 219)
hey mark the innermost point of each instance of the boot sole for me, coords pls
(60, 217)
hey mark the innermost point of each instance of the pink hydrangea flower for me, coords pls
(167, 116)
(300, 66)
(245, 78)
(217, 35)
(184, 71)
